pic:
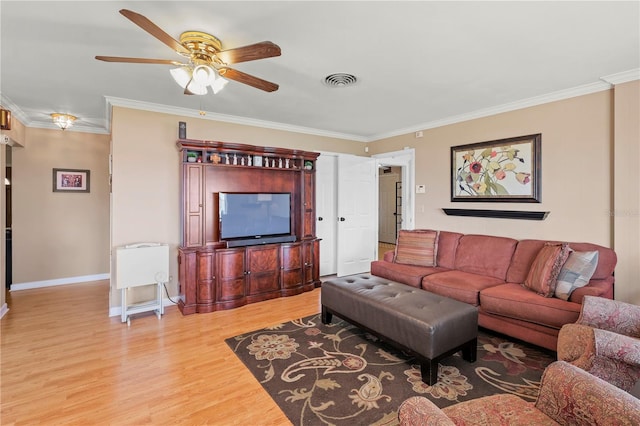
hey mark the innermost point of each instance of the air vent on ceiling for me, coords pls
(340, 80)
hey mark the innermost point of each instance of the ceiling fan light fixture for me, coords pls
(194, 88)
(219, 84)
(181, 75)
(204, 75)
(63, 121)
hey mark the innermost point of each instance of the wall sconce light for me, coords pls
(64, 121)
(5, 119)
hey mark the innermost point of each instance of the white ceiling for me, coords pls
(418, 63)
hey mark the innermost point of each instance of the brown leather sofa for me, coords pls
(489, 272)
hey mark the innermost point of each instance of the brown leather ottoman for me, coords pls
(426, 325)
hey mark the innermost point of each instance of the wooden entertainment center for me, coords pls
(215, 275)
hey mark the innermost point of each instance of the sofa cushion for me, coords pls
(527, 250)
(485, 255)
(544, 271)
(459, 285)
(523, 256)
(407, 274)
(607, 259)
(447, 246)
(576, 272)
(417, 247)
(515, 301)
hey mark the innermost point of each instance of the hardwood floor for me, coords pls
(64, 361)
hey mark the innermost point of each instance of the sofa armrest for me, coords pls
(611, 315)
(419, 411)
(617, 346)
(568, 392)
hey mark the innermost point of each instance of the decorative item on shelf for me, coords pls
(5, 119)
(266, 161)
(235, 160)
(182, 130)
(191, 157)
(214, 158)
(199, 160)
(308, 165)
(242, 161)
(280, 162)
(286, 163)
(248, 160)
(226, 159)
(257, 161)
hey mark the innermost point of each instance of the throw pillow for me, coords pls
(417, 247)
(546, 267)
(576, 272)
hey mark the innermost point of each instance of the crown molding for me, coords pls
(74, 128)
(186, 112)
(23, 118)
(622, 77)
(511, 106)
(16, 112)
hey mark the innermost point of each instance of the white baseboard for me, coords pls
(116, 311)
(3, 310)
(59, 281)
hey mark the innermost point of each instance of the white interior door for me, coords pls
(326, 212)
(357, 214)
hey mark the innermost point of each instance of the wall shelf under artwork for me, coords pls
(500, 214)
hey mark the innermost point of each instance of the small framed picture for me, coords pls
(71, 180)
(257, 161)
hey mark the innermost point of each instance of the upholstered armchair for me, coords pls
(568, 396)
(605, 341)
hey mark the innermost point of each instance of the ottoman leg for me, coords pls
(470, 350)
(429, 371)
(326, 315)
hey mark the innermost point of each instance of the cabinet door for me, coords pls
(308, 256)
(192, 215)
(205, 263)
(230, 274)
(187, 282)
(263, 269)
(291, 266)
(309, 220)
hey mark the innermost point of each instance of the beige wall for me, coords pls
(577, 174)
(146, 174)
(626, 206)
(59, 235)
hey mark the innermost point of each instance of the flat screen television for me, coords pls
(254, 215)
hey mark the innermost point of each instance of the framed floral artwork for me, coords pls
(503, 170)
(70, 180)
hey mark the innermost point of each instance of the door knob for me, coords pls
(320, 219)
(342, 219)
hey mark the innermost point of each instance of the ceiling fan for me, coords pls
(207, 62)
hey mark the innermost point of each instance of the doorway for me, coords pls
(327, 206)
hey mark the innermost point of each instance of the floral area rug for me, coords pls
(338, 374)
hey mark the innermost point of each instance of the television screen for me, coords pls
(254, 215)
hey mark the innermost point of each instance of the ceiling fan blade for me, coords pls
(139, 60)
(265, 49)
(250, 80)
(154, 30)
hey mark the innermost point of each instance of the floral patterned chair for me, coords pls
(605, 341)
(568, 396)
